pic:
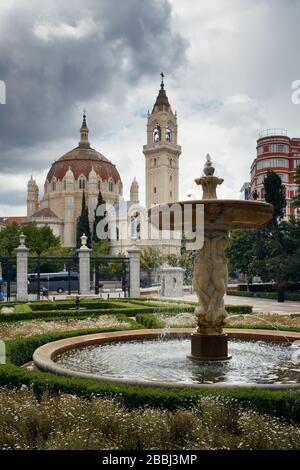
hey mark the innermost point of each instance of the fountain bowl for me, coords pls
(219, 214)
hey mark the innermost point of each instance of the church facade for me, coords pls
(85, 169)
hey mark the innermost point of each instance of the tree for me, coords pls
(9, 239)
(296, 199)
(83, 224)
(241, 253)
(151, 260)
(275, 195)
(98, 218)
(38, 239)
(101, 249)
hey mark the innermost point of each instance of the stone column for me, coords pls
(22, 270)
(84, 254)
(134, 271)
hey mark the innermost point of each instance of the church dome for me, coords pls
(82, 160)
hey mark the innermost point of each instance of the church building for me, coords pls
(85, 169)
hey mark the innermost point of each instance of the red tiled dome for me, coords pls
(81, 161)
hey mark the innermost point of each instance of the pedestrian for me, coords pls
(44, 293)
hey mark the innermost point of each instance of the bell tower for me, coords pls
(162, 152)
(32, 197)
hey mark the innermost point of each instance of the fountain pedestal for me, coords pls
(209, 347)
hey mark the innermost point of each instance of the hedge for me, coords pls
(130, 312)
(20, 350)
(68, 314)
(89, 313)
(88, 305)
(266, 287)
(282, 403)
(267, 295)
(149, 321)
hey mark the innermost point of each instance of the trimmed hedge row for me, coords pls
(89, 313)
(67, 314)
(266, 287)
(20, 350)
(88, 305)
(283, 403)
(266, 295)
(149, 321)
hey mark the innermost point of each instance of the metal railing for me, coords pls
(275, 131)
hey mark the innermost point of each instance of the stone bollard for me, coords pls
(84, 254)
(22, 270)
(134, 254)
(172, 281)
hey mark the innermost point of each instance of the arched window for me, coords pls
(82, 183)
(53, 185)
(154, 162)
(110, 186)
(99, 185)
(156, 134)
(65, 184)
(154, 190)
(168, 134)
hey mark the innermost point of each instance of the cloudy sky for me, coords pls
(229, 66)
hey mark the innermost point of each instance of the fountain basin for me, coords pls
(46, 356)
(219, 214)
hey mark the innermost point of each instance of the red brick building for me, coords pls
(277, 152)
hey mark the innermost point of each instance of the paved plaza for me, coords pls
(259, 305)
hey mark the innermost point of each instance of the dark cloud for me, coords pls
(57, 55)
(13, 198)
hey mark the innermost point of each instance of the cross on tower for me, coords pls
(162, 79)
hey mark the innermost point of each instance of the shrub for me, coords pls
(239, 309)
(293, 296)
(98, 304)
(149, 321)
(65, 314)
(22, 308)
(281, 403)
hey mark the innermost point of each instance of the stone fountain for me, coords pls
(210, 278)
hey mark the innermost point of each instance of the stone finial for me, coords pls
(22, 239)
(209, 182)
(208, 170)
(83, 240)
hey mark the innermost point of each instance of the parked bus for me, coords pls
(54, 282)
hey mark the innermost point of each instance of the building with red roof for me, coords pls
(81, 169)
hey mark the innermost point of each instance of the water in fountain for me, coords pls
(166, 361)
